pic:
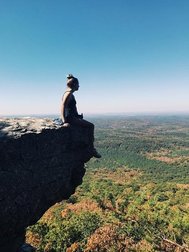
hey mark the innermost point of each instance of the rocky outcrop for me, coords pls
(41, 163)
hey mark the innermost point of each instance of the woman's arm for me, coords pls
(63, 105)
(62, 112)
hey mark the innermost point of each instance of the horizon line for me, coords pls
(102, 114)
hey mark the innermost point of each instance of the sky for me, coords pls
(130, 56)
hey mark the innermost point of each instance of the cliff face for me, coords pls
(40, 164)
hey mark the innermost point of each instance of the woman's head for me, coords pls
(72, 82)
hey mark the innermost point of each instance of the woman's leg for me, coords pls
(82, 123)
(90, 126)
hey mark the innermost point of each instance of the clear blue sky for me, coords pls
(129, 55)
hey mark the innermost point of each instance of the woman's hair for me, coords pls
(71, 81)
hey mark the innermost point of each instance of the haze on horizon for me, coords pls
(129, 56)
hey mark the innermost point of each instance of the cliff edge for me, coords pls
(41, 163)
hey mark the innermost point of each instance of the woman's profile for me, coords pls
(69, 113)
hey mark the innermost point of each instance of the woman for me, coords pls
(69, 113)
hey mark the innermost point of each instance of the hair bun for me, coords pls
(69, 76)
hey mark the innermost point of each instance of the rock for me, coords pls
(26, 248)
(38, 167)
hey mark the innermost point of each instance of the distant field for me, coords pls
(158, 145)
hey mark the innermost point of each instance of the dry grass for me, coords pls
(121, 175)
(82, 206)
(166, 155)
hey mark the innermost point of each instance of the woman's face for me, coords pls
(76, 86)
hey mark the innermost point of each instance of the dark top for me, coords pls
(70, 110)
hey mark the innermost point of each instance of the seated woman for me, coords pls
(69, 113)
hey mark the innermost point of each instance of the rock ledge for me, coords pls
(41, 163)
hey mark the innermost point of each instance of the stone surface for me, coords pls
(41, 163)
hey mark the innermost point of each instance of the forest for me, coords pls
(135, 198)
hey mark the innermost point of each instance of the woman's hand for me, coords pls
(66, 125)
(80, 116)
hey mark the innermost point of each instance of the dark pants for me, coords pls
(83, 123)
